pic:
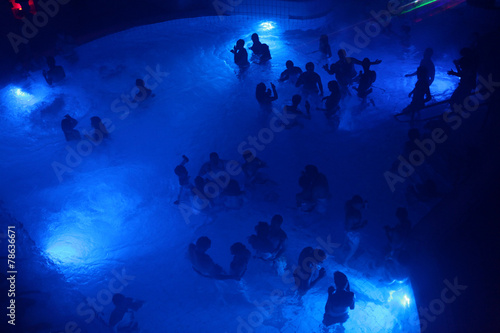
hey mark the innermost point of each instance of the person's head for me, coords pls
(255, 38)
(276, 221)
(237, 248)
(248, 156)
(118, 299)
(289, 64)
(342, 54)
(323, 39)
(357, 202)
(413, 134)
(67, 116)
(319, 255)
(311, 170)
(203, 243)
(310, 67)
(240, 44)
(296, 99)
(333, 86)
(428, 53)
(51, 62)
(181, 171)
(402, 213)
(95, 122)
(140, 83)
(340, 280)
(214, 158)
(365, 64)
(262, 229)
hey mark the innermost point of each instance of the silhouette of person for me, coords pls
(144, 92)
(420, 94)
(122, 317)
(239, 264)
(100, 131)
(214, 165)
(353, 223)
(467, 72)
(427, 63)
(201, 262)
(308, 271)
(277, 235)
(365, 80)
(240, 54)
(324, 46)
(314, 188)
(260, 242)
(68, 127)
(55, 73)
(259, 49)
(183, 177)
(332, 104)
(310, 81)
(251, 168)
(290, 73)
(399, 234)
(265, 96)
(340, 300)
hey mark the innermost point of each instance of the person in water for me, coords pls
(55, 73)
(427, 63)
(332, 107)
(310, 81)
(265, 96)
(143, 93)
(291, 72)
(240, 54)
(340, 300)
(239, 264)
(420, 95)
(324, 46)
(259, 49)
(122, 317)
(68, 127)
(308, 271)
(201, 262)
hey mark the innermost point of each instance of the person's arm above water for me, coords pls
(275, 93)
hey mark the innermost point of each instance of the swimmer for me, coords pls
(240, 54)
(324, 46)
(143, 93)
(239, 264)
(201, 262)
(340, 300)
(122, 317)
(308, 271)
(100, 131)
(291, 72)
(68, 127)
(265, 96)
(55, 73)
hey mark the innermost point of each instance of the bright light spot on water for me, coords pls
(23, 97)
(266, 26)
(405, 301)
(67, 249)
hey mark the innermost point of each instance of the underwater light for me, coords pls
(405, 301)
(66, 250)
(22, 96)
(401, 296)
(268, 25)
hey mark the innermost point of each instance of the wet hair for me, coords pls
(310, 66)
(365, 63)
(203, 243)
(214, 155)
(180, 170)
(140, 83)
(260, 91)
(342, 53)
(255, 36)
(118, 299)
(311, 169)
(333, 86)
(240, 43)
(289, 64)
(248, 155)
(320, 255)
(296, 99)
(277, 220)
(323, 38)
(340, 280)
(95, 121)
(237, 248)
(262, 228)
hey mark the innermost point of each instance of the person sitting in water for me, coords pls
(55, 73)
(251, 168)
(314, 188)
(240, 53)
(265, 96)
(291, 72)
(232, 195)
(307, 274)
(260, 242)
(294, 114)
(68, 127)
(122, 317)
(332, 107)
(340, 300)
(183, 177)
(239, 264)
(213, 166)
(427, 63)
(100, 131)
(277, 235)
(310, 82)
(143, 93)
(420, 95)
(259, 49)
(353, 224)
(201, 262)
(365, 80)
(324, 46)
